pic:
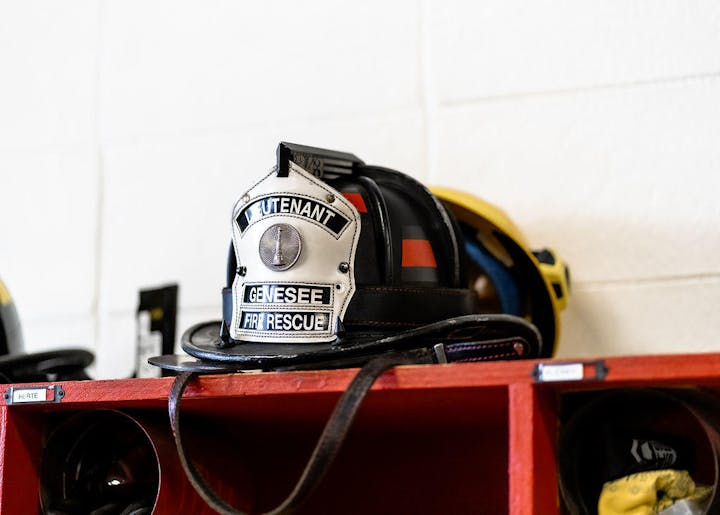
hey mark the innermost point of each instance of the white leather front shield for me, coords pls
(292, 291)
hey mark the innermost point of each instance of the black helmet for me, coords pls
(11, 340)
(18, 367)
(332, 259)
(336, 263)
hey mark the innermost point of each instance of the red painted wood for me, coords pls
(668, 368)
(20, 447)
(175, 493)
(545, 489)
(3, 456)
(414, 451)
(532, 464)
(521, 466)
(153, 392)
(435, 438)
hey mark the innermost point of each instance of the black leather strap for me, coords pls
(490, 350)
(328, 445)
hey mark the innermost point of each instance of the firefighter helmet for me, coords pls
(534, 284)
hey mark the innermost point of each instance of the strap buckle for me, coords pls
(440, 355)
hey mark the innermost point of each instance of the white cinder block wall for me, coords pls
(128, 128)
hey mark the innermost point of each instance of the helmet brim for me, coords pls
(201, 341)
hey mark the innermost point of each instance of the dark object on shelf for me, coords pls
(629, 431)
(335, 263)
(56, 365)
(19, 367)
(11, 340)
(382, 268)
(99, 462)
(156, 326)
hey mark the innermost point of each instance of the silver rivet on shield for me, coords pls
(330, 198)
(280, 247)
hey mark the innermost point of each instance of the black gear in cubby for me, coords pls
(611, 435)
(18, 367)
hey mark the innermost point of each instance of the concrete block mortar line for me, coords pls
(183, 309)
(669, 280)
(461, 103)
(43, 148)
(165, 136)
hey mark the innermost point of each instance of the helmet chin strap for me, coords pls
(327, 446)
(466, 347)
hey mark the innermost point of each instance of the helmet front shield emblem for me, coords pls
(291, 234)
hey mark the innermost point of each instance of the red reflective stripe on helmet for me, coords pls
(417, 253)
(356, 200)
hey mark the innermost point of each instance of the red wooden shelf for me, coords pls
(475, 437)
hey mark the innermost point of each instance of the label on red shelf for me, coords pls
(33, 394)
(560, 372)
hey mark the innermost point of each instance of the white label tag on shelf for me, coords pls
(560, 372)
(33, 394)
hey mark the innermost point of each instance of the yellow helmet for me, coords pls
(533, 284)
(11, 340)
